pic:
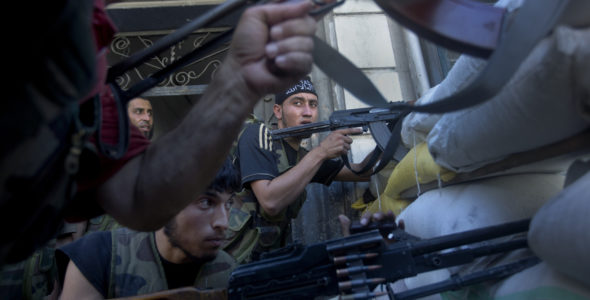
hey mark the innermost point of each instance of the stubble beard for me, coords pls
(171, 232)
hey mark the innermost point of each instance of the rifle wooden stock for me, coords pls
(185, 293)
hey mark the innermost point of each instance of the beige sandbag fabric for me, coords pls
(417, 126)
(478, 204)
(539, 106)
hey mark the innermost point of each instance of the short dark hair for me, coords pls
(227, 178)
(138, 97)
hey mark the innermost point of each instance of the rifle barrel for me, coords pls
(301, 130)
(459, 281)
(471, 236)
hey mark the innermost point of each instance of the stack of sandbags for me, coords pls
(417, 126)
(539, 106)
(546, 101)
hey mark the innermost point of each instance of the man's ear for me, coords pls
(278, 111)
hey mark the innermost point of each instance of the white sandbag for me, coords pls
(474, 205)
(478, 204)
(418, 125)
(466, 68)
(539, 106)
(540, 282)
(537, 282)
(560, 231)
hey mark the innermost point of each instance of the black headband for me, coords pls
(303, 86)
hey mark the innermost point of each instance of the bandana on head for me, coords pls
(303, 86)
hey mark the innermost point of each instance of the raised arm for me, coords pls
(270, 51)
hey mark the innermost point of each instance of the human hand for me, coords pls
(271, 47)
(380, 217)
(377, 220)
(337, 143)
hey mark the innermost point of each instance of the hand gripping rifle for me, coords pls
(367, 118)
(384, 124)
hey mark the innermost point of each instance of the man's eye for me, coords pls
(204, 203)
(313, 104)
(229, 203)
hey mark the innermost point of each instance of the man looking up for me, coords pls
(185, 252)
(276, 172)
(141, 115)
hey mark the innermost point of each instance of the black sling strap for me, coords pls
(535, 20)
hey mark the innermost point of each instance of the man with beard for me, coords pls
(276, 172)
(185, 252)
(141, 115)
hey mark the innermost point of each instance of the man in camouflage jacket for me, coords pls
(185, 252)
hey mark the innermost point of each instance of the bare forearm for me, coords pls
(276, 195)
(155, 186)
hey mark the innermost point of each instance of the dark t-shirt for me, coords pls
(92, 256)
(258, 157)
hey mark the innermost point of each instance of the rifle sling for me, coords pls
(534, 22)
(445, 21)
(386, 155)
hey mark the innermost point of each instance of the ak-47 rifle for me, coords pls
(366, 118)
(384, 124)
(352, 267)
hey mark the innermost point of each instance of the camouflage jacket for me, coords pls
(136, 268)
(33, 278)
